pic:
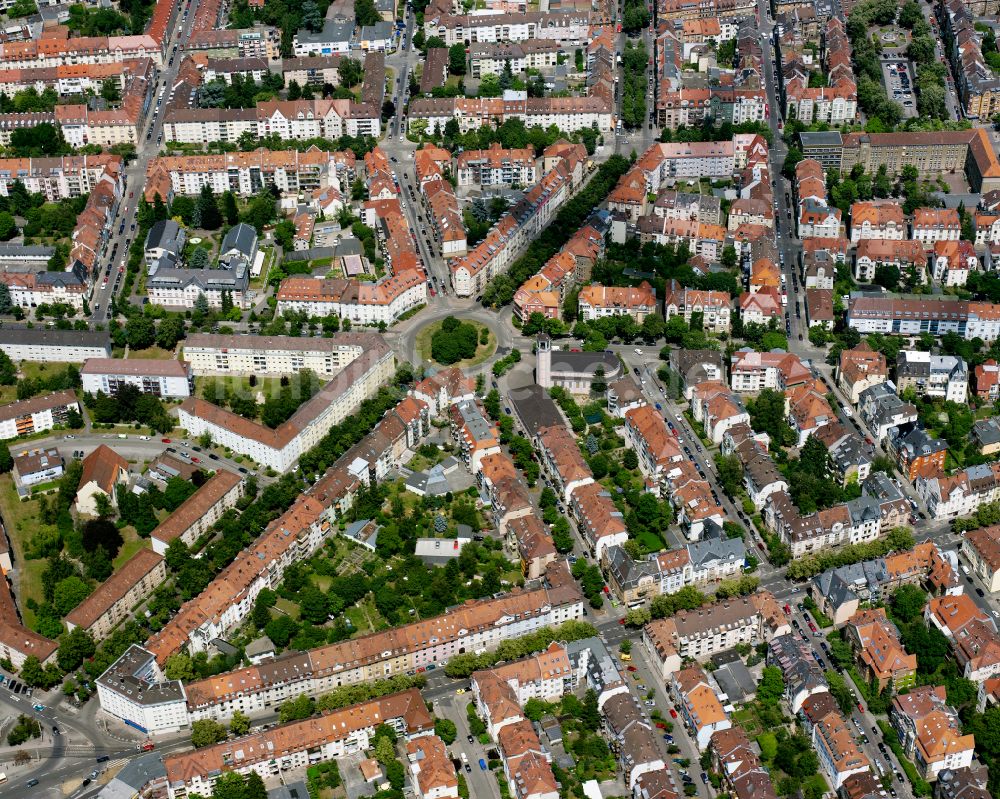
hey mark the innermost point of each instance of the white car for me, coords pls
(638, 351)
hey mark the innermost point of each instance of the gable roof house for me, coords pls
(103, 470)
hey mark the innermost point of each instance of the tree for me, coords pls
(6, 460)
(208, 209)
(69, 593)
(446, 730)
(179, 667)
(239, 724)
(456, 59)
(908, 603)
(206, 732)
(230, 208)
(170, 331)
(74, 648)
(771, 686)
(350, 71)
(8, 228)
(140, 332)
(385, 750)
(365, 12)
(313, 604)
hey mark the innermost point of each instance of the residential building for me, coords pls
(698, 704)
(362, 302)
(170, 379)
(165, 238)
(36, 467)
(698, 634)
(300, 743)
(714, 306)
(904, 255)
(752, 371)
(37, 414)
(859, 369)
(134, 690)
(17, 642)
(762, 306)
(483, 624)
(597, 301)
(597, 518)
(28, 290)
(697, 366)
(216, 354)
(941, 376)
(953, 262)
(431, 771)
(917, 452)
(113, 601)
(932, 225)
(986, 434)
(981, 550)
(910, 317)
(987, 380)
(496, 166)
(880, 653)
(281, 447)
(802, 675)
(930, 732)
(103, 470)
(882, 409)
(61, 346)
(877, 220)
(196, 515)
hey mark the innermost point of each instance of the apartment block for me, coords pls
(879, 651)
(981, 550)
(199, 511)
(698, 634)
(25, 417)
(60, 346)
(941, 376)
(296, 745)
(699, 705)
(496, 166)
(281, 447)
(362, 302)
(113, 600)
(930, 731)
(214, 354)
(170, 379)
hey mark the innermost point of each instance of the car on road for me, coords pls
(979, 591)
(861, 707)
(468, 769)
(470, 739)
(673, 713)
(899, 777)
(165, 440)
(482, 764)
(32, 782)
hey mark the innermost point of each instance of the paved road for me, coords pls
(123, 225)
(132, 448)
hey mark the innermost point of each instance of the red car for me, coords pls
(165, 440)
(673, 713)
(661, 725)
(860, 707)
(148, 746)
(632, 668)
(812, 627)
(195, 460)
(788, 608)
(621, 621)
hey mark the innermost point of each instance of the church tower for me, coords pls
(543, 360)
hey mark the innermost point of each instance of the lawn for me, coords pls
(483, 351)
(132, 545)
(153, 353)
(21, 521)
(287, 607)
(33, 370)
(268, 386)
(650, 541)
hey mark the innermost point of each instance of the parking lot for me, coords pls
(898, 80)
